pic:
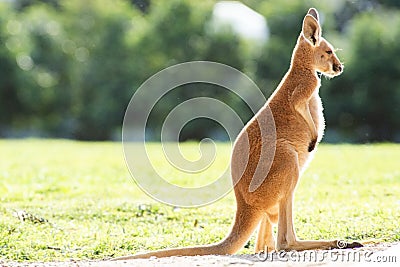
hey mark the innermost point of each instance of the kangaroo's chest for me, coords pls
(316, 110)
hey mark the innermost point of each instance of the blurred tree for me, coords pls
(143, 5)
(21, 5)
(180, 31)
(80, 63)
(41, 80)
(388, 3)
(10, 106)
(364, 102)
(68, 68)
(102, 69)
(73, 78)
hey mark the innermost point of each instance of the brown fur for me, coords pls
(297, 112)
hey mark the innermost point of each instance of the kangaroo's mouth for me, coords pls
(330, 74)
(336, 70)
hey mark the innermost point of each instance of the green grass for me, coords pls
(94, 209)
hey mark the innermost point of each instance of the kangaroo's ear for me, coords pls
(313, 12)
(311, 29)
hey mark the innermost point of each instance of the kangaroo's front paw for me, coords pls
(312, 144)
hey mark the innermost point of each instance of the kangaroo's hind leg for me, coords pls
(287, 239)
(265, 238)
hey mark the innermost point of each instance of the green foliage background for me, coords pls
(69, 68)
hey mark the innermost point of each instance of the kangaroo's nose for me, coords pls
(337, 67)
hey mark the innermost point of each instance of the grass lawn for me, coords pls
(77, 200)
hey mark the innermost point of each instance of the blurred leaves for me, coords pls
(69, 68)
(365, 101)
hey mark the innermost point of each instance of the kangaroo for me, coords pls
(297, 112)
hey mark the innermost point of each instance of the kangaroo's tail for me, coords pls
(246, 221)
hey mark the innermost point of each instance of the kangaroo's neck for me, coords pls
(303, 76)
(302, 72)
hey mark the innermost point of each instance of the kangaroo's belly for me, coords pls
(316, 110)
(317, 114)
(292, 129)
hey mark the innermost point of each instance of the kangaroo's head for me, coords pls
(320, 53)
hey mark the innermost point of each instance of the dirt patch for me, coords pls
(380, 253)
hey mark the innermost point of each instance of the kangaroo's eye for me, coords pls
(329, 52)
